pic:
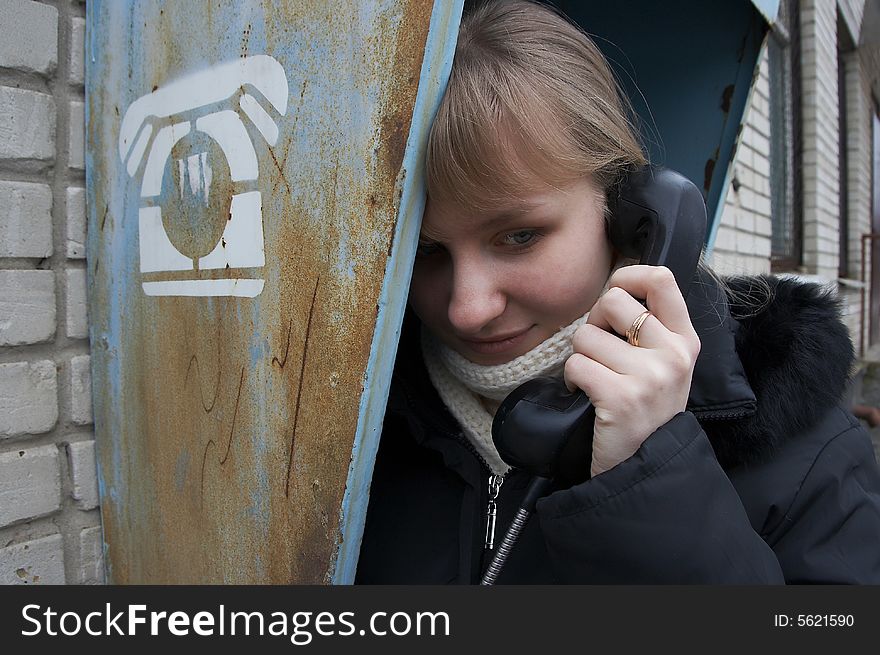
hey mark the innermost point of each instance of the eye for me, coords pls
(519, 238)
(428, 248)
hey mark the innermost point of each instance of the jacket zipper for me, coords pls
(722, 415)
(495, 482)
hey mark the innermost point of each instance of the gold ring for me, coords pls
(632, 335)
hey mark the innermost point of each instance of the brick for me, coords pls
(77, 135)
(745, 221)
(745, 243)
(77, 312)
(77, 50)
(80, 390)
(76, 223)
(25, 219)
(725, 239)
(83, 474)
(30, 484)
(27, 307)
(28, 36)
(91, 556)
(28, 398)
(27, 130)
(40, 561)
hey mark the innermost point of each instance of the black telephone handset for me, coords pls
(658, 217)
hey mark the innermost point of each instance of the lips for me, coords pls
(496, 345)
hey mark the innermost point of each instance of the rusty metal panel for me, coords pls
(254, 193)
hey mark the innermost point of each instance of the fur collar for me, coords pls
(794, 350)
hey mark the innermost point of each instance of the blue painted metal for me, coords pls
(434, 75)
(254, 192)
(769, 9)
(688, 68)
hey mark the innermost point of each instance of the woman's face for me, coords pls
(493, 285)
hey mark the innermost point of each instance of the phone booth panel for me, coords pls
(688, 69)
(254, 196)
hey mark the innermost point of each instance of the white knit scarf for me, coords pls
(460, 383)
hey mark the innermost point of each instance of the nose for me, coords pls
(477, 296)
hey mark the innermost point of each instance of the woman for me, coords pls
(719, 454)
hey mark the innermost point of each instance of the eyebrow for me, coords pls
(508, 213)
(493, 221)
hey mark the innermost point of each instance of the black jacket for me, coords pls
(765, 479)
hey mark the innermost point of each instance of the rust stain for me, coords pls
(726, 98)
(409, 48)
(245, 39)
(709, 170)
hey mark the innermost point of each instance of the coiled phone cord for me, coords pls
(537, 489)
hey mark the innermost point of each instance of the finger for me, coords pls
(608, 349)
(657, 286)
(617, 310)
(590, 376)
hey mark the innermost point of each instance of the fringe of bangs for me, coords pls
(482, 150)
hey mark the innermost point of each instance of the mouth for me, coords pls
(498, 344)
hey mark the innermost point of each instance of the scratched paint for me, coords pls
(245, 173)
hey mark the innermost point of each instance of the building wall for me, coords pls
(742, 243)
(50, 526)
(859, 164)
(743, 238)
(819, 164)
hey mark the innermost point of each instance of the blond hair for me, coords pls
(530, 97)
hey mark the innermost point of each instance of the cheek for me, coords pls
(571, 280)
(426, 294)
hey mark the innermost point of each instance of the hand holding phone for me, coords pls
(634, 389)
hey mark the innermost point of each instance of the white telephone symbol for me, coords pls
(197, 106)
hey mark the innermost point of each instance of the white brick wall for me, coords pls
(91, 556)
(76, 223)
(39, 561)
(25, 219)
(27, 307)
(859, 163)
(28, 36)
(28, 398)
(27, 130)
(77, 314)
(83, 473)
(77, 135)
(820, 142)
(80, 390)
(77, 50)
(50, 524)
(742, 243)
(32, 484)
